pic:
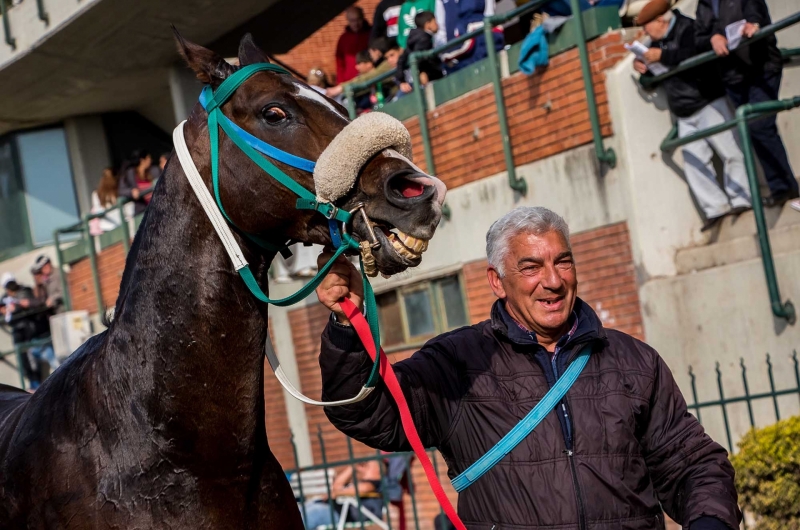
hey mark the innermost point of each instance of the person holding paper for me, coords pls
(752, 74)
(616, 451)
(697, 98)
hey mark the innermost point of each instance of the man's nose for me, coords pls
(551, 279)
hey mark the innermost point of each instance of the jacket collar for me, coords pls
(587, 327)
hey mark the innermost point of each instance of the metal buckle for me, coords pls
(374, 242)
(332, 213)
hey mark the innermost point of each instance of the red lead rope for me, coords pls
(362, 329)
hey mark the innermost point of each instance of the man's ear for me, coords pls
(210, 68)
(495, 282)
(250, 53)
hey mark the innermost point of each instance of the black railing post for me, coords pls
(694, 395)
(747, 392)
(772, 389)
(724, 410)
(355, 479)
(299, 477)
(325, 467)
(796, 371)
(43, 16)
(412, 492)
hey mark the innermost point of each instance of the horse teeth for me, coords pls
(418, 246)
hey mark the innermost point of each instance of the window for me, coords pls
(416, 313)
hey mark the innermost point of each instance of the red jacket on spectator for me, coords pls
(350, 43)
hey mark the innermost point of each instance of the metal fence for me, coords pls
(19, 350)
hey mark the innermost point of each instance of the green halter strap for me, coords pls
(212, 101)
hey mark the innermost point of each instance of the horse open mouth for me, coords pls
(393, 250)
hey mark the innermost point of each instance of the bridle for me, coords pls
(338, 218)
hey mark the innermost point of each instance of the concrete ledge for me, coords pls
(784, 238)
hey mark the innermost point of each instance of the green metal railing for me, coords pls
(20, 350)
(702, 58)
(723, 402)
(42, 13)
(605, 155)
(10, 40)
(89, 246)
(744, 114)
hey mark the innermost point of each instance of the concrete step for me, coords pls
(736, 240)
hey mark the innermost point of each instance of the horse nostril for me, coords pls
(407, 188)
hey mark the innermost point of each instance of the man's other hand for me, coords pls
(653, 55)
(639, 66)
(750, 29)
(343, 281)
(720, 45)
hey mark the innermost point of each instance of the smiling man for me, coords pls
(621, 444)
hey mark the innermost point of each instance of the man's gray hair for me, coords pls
(523, 220)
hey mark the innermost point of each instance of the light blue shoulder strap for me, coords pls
(522, 429)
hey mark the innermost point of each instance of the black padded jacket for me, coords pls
(628, 448)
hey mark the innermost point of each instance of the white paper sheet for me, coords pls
(639, 49)
(734, 32)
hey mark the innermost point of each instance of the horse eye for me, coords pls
(273, 115)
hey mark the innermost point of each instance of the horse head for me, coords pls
(401, 204)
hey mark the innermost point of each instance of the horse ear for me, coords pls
(250, 53)
(209, 67)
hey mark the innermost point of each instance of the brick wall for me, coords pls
(319, 49)
(547, 114)
(110, 264)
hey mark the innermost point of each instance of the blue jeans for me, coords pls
(43, 352)
(319, 513)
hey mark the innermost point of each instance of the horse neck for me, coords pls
(189, 335)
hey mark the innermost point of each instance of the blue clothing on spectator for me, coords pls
(464, 16)
(534, 51)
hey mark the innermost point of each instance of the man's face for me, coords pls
(392, 56)
(47, 269)
(354, 20)
(365, 67)
(540, 281)
(657, 29)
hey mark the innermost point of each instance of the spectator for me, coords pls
(354, 39)
(317, 79)
(752, 74)
(420, 38)
(364, 63)
(697, 98)
(155, 171)
(103, 198)
(28, 320)
(48, 280)
(408, 12)
(384, 54)
(135, 177)
(318, 512)
(463, 17)
(384, 24)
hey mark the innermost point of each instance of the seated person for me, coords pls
(420, 39)
(317, 80)
(318, 511)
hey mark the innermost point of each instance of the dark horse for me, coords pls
(158, 422)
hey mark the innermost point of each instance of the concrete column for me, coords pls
(295, 410)
(89, 155)
(184, 89)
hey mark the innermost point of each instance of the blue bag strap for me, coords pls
(522, 429)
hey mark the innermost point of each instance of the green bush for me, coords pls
(768, 475)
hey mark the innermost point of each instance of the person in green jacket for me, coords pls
(408, 11)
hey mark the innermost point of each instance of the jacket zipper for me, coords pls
(570, 455)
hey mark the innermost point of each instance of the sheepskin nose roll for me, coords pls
(338, 166)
